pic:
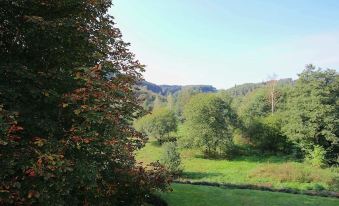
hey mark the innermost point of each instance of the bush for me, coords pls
(229, 150)
(319, 187)
(265, 134)
(240, 139)
(171, 158)
(317, 156)
(334, 184)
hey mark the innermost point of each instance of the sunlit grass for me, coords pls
(195, 195)
(273, 171)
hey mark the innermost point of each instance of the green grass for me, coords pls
(195, 195)
(275, 172)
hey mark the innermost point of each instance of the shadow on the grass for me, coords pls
(323, 193)
(155, 143)
(265, 159)
(254, 158)
(199, 175)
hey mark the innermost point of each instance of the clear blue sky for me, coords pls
(224, 42)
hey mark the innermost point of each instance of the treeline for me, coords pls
(173, 89)
(152, 95)
(298, 118)
(244, 89)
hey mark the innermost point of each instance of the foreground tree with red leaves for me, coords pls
(66, 106)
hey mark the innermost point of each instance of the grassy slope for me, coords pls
(244, 170)
(194, 195)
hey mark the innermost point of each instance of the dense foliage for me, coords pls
(312, 115)
(278, 117)
(67, 101)
(158, 124)
(171, 158)
(209, 123)
(265, 134)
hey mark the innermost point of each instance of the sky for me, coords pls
(228, 42)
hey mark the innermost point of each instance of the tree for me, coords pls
(209, 122)
(67, 101)
(312, 115)
(171, 158)
(170, 102)
(273, 94)
(159, 124)
(255, 104)
(184, 97)
(158, 103)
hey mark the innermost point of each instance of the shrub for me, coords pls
(228, 149)
(265, 134)
(240, 139)
(316, 157)
(334, 184)
(171, 158)
(319, 187)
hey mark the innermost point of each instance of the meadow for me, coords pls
(277, 172)
(196, 195)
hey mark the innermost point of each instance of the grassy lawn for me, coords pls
(195, 195)
(275, 172)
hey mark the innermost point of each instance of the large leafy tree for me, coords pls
(158, 124)
(209, 122)
(66, 104)
(313, 112)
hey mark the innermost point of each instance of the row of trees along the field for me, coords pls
(66, 107)
(296, 117)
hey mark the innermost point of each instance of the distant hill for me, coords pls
(148, 93)
(237, 90)
(172, 89)
(243, 89)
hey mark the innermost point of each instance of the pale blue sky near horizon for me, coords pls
(228, 42)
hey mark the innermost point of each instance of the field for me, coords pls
(270, 171)
(194, 195)
(264, 171)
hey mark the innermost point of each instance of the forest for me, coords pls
(275, 117)
(80, 125)
(279, 135)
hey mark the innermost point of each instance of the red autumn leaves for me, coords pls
(13, 129)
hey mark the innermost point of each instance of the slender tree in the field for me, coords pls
(171, 158)
(66, 105)
(273, 94)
